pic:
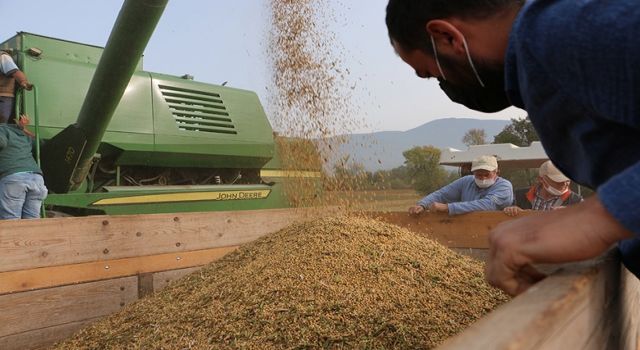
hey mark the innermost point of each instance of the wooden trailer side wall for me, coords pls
(465, 234)
(593, 305)
(58, 275)
(31, 244)
(36, 318)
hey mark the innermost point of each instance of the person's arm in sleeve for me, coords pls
(447, 194)
(22, 80)
(620, 196)
(498, 197)
(3, 140)
(9, 68)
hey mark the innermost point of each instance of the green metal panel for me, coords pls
(127, 41)
(63, 74)
(161, 121)
(202, 119)
(274, 199)
(143, 121)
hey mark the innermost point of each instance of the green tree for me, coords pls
(399, 178)
(475, 137)
(423, 168)
(520, 133)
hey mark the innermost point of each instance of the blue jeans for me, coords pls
(6, 108)
(21, 195)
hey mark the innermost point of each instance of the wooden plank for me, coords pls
(39, 309)
(589, 324)
(45, 277)
(564, 311)
(42, 338)
(29, 244)
(461, 231)
(145, 284)
(162, 279)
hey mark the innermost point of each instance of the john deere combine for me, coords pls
(118, 139)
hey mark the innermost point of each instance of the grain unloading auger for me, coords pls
(143, 142)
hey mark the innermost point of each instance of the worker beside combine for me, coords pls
(551, 191)
(22, 188)
(572, 66)
(9, 76)
(482, 191)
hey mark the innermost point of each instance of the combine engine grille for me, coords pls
(200, 111)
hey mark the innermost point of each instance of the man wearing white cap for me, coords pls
(482, 191)
(551, 192)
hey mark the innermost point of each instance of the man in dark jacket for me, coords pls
(572, 65)
(550, 192)
(22, 188)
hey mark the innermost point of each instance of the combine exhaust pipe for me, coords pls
(66, 158)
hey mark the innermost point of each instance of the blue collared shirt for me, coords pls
(464, 196)
(573, 65)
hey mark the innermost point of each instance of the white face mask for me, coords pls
(485, 183)
(555, 192)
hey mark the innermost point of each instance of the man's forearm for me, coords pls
(427, 200)
(576, 233)
(591, 229)
(20, 77)
(485, 204)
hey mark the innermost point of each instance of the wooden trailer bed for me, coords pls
(58, 275)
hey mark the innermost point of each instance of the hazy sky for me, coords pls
(217, 41)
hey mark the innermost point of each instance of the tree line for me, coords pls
(421, 170)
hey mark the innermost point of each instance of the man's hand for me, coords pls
(26, 85)
(439, 207)
(579, 232)
(23, 120)
(22, 80)
(416, 210)
(512, 211)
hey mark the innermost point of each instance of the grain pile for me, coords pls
(333, 283)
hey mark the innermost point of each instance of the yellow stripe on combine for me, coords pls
(289, 173)
(186, 197)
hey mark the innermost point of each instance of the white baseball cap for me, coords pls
(549, 170)
(489, 163)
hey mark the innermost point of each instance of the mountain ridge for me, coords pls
(383, 150)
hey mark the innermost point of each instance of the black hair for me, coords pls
(407, 19)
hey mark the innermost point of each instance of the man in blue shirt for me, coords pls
(482, 191)
(573, 66)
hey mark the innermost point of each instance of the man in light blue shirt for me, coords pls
(482, 191)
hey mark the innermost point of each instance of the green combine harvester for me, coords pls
(120, 140)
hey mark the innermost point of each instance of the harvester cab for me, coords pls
(121, 140)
